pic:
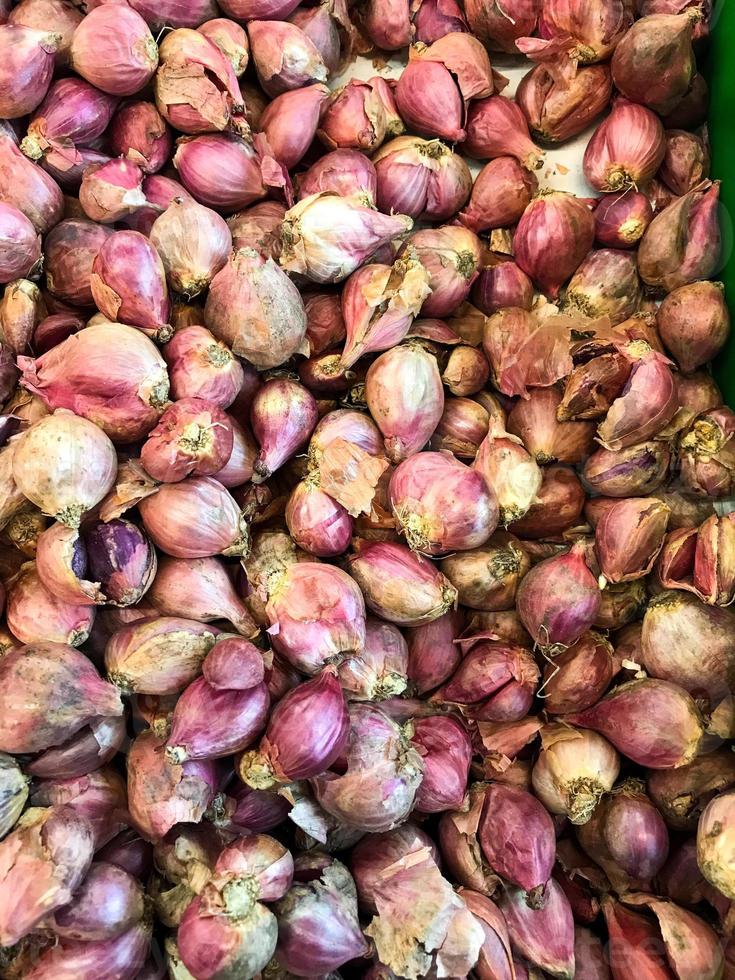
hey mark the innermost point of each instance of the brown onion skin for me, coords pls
(557, 508)
(559, 109)
(579, 676)
(70, 250)
(534, 420)
(635, 67)
(694, 323)
(682, 794)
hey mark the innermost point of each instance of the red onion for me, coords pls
(500, 23)
(404, 392)
(435, 18)
(626, 149)
(316, 522)
(54, 329)
(254, 308)
(258, 227)
(209, 724)
(200, 366)
(139, 134)
(13, 793)
(108, 902)
(20, 245)
(30, 190)
(629, 536)
(712, 843)
(307, 643)
(162, 794)
(283, 416)
(47, 715)
(192, 436)
(157, 655)
(534, 420)
(128, 283)
(377, 852)
(559, 599)
(579, 676)
(220, 941)
(501, 285)
(326, 237)
(631, 829)
(230, 38)
(432, 653)
(307, 732)
(27, 56)
(38, 14)
(19, 312)
(429, 518)
(704, 453)
(196, 87)
(558, 107)
(194, 243)
(380, 669)
(621, 219)
(73, 113)
(464, 422)
(355, 118)
(223, 171)
(653, 722)
(98, 796)
(637, 470)
(646, 404)
(318, 928)
(421, 178)
(379, 303)
(487, 578)
(234, 664)
(517, 838)
(254, 810)
(201, 589)
(544, 936)
(290, 123)
(446, 750)
(501, 193)
(660, 39)
(434, 88)
(510, 472)
(111, 191)
(196, 518)
(114, 50)
(694, 323)
(345, 172)
(92, 746)
(284, 56)
(70, 249)
(686, 162)
(554, 234)
(42, 863)
(496, 127)
(399, 586)
(388, 24)
(466, 373)
(382, 777)
(574, 769)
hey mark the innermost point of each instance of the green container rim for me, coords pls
(717, 67)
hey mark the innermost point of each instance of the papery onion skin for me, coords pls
(200, 366)
(626, 149)
(108, 902)
(571, 774)
(447, 752)
(28, 56)
(659, 39)
(317, 522)
(92, 746)
(496, 127)
(498, 286)
(559, 108)
(28, 188)
(69, 250)
(113, 49)
(20, 246)
(544, 936)
(694, 323)
(554, 234)
(621, 219)
(283, 415)
(194, 244)
(637, 470)
(629, 536)
(38, 13)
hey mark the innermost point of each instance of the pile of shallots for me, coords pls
(365, 604)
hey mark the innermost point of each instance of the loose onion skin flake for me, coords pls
(367, 573)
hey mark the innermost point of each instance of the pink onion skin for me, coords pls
(27, 56)
(318, 928)
(559, 599)
(496, 127)
(596, 32)
(34, 613)
(694, 323)
(139, 133)
(128, 283)
(262, 862)
(626, 149)
(108, 902)
(404, 394)
(201, 589)
(306, 643)
(192, 436)
(378, 789)
(579, 676)
(447, 753)
(70, 249)
(686, 163)
(111, 191)
(399, 586)
(121, 559)
(254, 308)
(221, 171)
(78, 960)
(234, 664)
(38, 14)
(47, 714)
(517, 838)
(42, 863)
(282, 416)
(317, 522)
(559, 108)
(216, 944)
(652, 722)
(635, 834)
(114, 50)
(344, 172)
(110, 374)
(307, 732)
(553, 235)
(92, 746)
(161, 794)
(29, 189)
(376, 852)
(130, 852)
(683, 242)
(175, 13)
(437, 18)
(212, 724)
(254, 810)
(502, 285)
(421, 178)
(20, 245)
(628, 472)
(354, 118)
(258, 227)
(648, 403)
(501, 23)
(433, 655)
(291, 120)
(451, 254)
(200, 366)
(231, 39)
(99, 796)
(636, 65)
(388, 24)
(285, 58)
(429, 517)
(502, 191)
(642, 522)
(621, 219)
(544, 936)
(72, 113)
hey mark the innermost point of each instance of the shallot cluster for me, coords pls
(365, 608)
